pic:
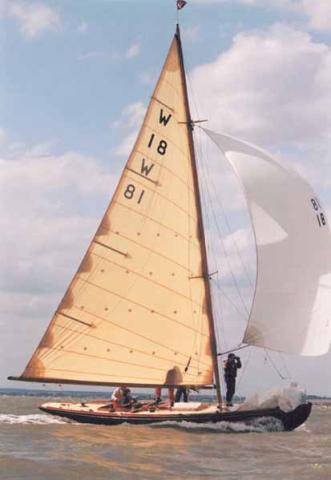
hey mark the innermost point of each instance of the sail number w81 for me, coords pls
(130, 193)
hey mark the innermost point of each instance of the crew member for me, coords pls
(230, 372)
(171, 395)
(182, 390)
(122, 397)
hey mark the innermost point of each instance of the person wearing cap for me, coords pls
(231, 366)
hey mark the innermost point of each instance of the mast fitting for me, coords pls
(192, 123)
(208, 276)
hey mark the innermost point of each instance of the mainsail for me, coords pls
(292, 303)
(137, 311)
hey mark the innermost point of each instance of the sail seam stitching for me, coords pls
(164, 167)
(161, 103)
(134, 303)
(109, 342)
(155, 192)
(148, 279)
(152, 220)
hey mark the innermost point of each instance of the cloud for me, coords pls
(50, 207)
(131, 116)
(191, 34)
(289, 4)
(3, 136)
(33, 18)
(148, 78)
(130, 122)
(271, 86)
(319, 13)
(95, 54)
(51, 197)
(35, 171)
(125, 147)
(133, 51)
(82, 27)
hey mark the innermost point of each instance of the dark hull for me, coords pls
(290, 420)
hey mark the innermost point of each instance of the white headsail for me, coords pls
(291, 311)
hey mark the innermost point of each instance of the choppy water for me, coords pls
(35, 446)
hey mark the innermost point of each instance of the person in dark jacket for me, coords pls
(182, 391)
(230, 372)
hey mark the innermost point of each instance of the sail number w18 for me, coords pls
(321, 219)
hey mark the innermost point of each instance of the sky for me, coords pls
(75, 81)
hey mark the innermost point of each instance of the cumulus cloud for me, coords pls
(46, 218)
(3, 136)
(254, 3)
(34, 170)
(191, 34)
(33, 18)
(133, 51)
(50, 207)
(271, 86)
(319, 13)
(131, 116)
(96, 54)
(125, 147)
(148, 77)
(82, 27)
(129, 122)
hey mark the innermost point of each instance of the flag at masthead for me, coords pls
(181, 4)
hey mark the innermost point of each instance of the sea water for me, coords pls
(36, 446)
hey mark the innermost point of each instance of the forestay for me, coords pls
(291, 310)
(135, 312)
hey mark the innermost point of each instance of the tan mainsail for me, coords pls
(136, 311)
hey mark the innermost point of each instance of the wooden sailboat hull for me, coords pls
(290, 420)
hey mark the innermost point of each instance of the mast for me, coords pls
(205, 272)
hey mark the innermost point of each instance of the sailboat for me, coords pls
(139, 310)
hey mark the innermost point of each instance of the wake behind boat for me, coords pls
(139, 310)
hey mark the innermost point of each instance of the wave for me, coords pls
(36, 419)
(265, 424)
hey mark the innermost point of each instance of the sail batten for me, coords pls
(151, 323)
(292, 301)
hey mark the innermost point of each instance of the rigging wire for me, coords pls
(243, 372)
(220, 204)
(268, 357)
(207, 179)
(221, 237)
(212, 220)
(285, 367)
